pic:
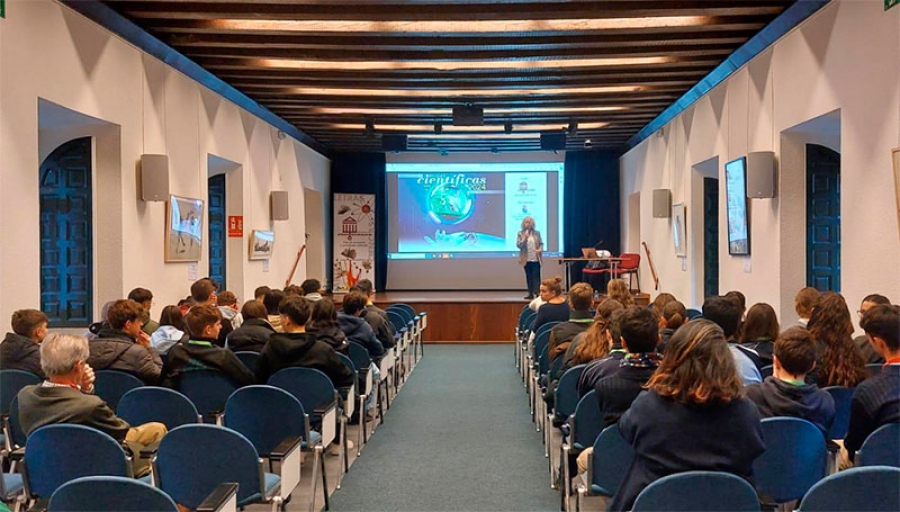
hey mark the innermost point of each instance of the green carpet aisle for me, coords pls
(457, 438)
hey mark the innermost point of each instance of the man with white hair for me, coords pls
(65, 397)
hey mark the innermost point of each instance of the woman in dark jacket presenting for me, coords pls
(530, 247)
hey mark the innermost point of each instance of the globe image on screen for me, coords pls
(450, 204)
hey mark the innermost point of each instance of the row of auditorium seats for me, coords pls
(218, 436)
(797, 467)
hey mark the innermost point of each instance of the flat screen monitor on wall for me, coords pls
(738, 216)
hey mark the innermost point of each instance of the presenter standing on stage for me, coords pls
(530, 247)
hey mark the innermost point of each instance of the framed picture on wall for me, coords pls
(261, 244)
(678, 230)
(184, 229)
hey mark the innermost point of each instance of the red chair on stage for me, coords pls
(595, 276)
(629, 263)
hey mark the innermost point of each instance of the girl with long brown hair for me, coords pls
(693, 417)
(839, 362)
(595, 342)
(617, 289)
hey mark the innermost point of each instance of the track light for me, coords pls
(438, 128)
(507, 127)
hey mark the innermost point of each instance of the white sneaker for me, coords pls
(336, 448)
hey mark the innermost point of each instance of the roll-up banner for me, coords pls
(354, 240)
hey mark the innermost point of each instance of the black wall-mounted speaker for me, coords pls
(468, 115)
(393, 142)
(555, 141)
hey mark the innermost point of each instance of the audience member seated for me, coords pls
(312, 290)
(292, 290)
(144, 297)
(324, 326)
(594, 343)
(786, 392)
(605, 366)
(231, 316)
(200, 351)
(20, 349)
(296, 347)
(65, 397)
(616, 392)
(186, 304)
(581, 298)
(171, 330)
(355, 328)
(124, 345)
(726, 313)
(617, 289)
(555, 307)
(376, 317)
(672, 316)
(838, 362)
(804, 303)
(260, 293)
(862, 342)
(760, 331)
(693, 416)
(876, 401)
(100, 324)
(203, 292)
(660, 302)
(253, 334)
(271, 301)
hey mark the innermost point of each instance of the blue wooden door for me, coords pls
(66, 233)
(823, 218)
(217, 229)
(710, 237)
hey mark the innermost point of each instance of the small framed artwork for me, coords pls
(184, 229)
(678, 230)
(261, 244)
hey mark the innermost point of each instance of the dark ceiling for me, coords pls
(332, 67)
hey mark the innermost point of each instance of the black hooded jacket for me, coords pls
(251, 336)
(286, 350)
(20, 353)
(116, 350)
(331, 334)
(775, 397)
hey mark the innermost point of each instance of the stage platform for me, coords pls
(466, 316)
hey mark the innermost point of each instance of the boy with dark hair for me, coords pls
(786, 392)
(203, 291)
(374, 316)
(727, 314)
(876, 401)
(261, 292)
(271, 301)
(200, 352)
(581, 298)
(862, 342)
(356, 328)
(144, 297)
(804, 302)
(123, 345)
(312, 290)
(296, 347)
(21, 348)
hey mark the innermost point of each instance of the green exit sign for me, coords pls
(887, 3)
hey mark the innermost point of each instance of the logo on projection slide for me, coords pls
(450, 204)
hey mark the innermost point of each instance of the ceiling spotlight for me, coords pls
(588, 144)
(507, 127)
(370, 127)
(438, 128)
(573, 127)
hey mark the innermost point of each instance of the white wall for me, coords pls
(845, 58)
(49, 52)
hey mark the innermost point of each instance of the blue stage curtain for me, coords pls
(363, 173)
(592, 211)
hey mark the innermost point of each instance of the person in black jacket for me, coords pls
(324, 326)
(124, 346)
(20, 349)
(296, 347)
(253, 334)
(201, 353)
(376, 317)
(356, 329)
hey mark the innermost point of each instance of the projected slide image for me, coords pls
(450, 211)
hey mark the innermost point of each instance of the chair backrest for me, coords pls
(544, 329)
(359, 355)
(540, 342)
(249, 358)
(694, 313)
(407, 308)
(698, 490)
(522, 316)
(407, 313)
(554, 367)
(586, 421)
(567, 391)
(630, 261)
(266, 416)
(207, 389)
(396, 319)
(112, 384)
(874, 368)
(881, 448)
(875, 488)
(56, 454)
(347, 361)
(150, 403)
(192, 460)
(310, 386)
(765, 371)
(11, 382)
(109, 494)
(612, 457)
(842, 397)
(543, 361)
(16, 433)
(794, 460)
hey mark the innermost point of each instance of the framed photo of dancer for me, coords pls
(184, 229)
(261, 244)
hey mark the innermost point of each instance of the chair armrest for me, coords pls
(285, 447)
(322, 410)
(40, 505)
(17, 454)
(222, 499)
(149, 451)
(287, 455)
